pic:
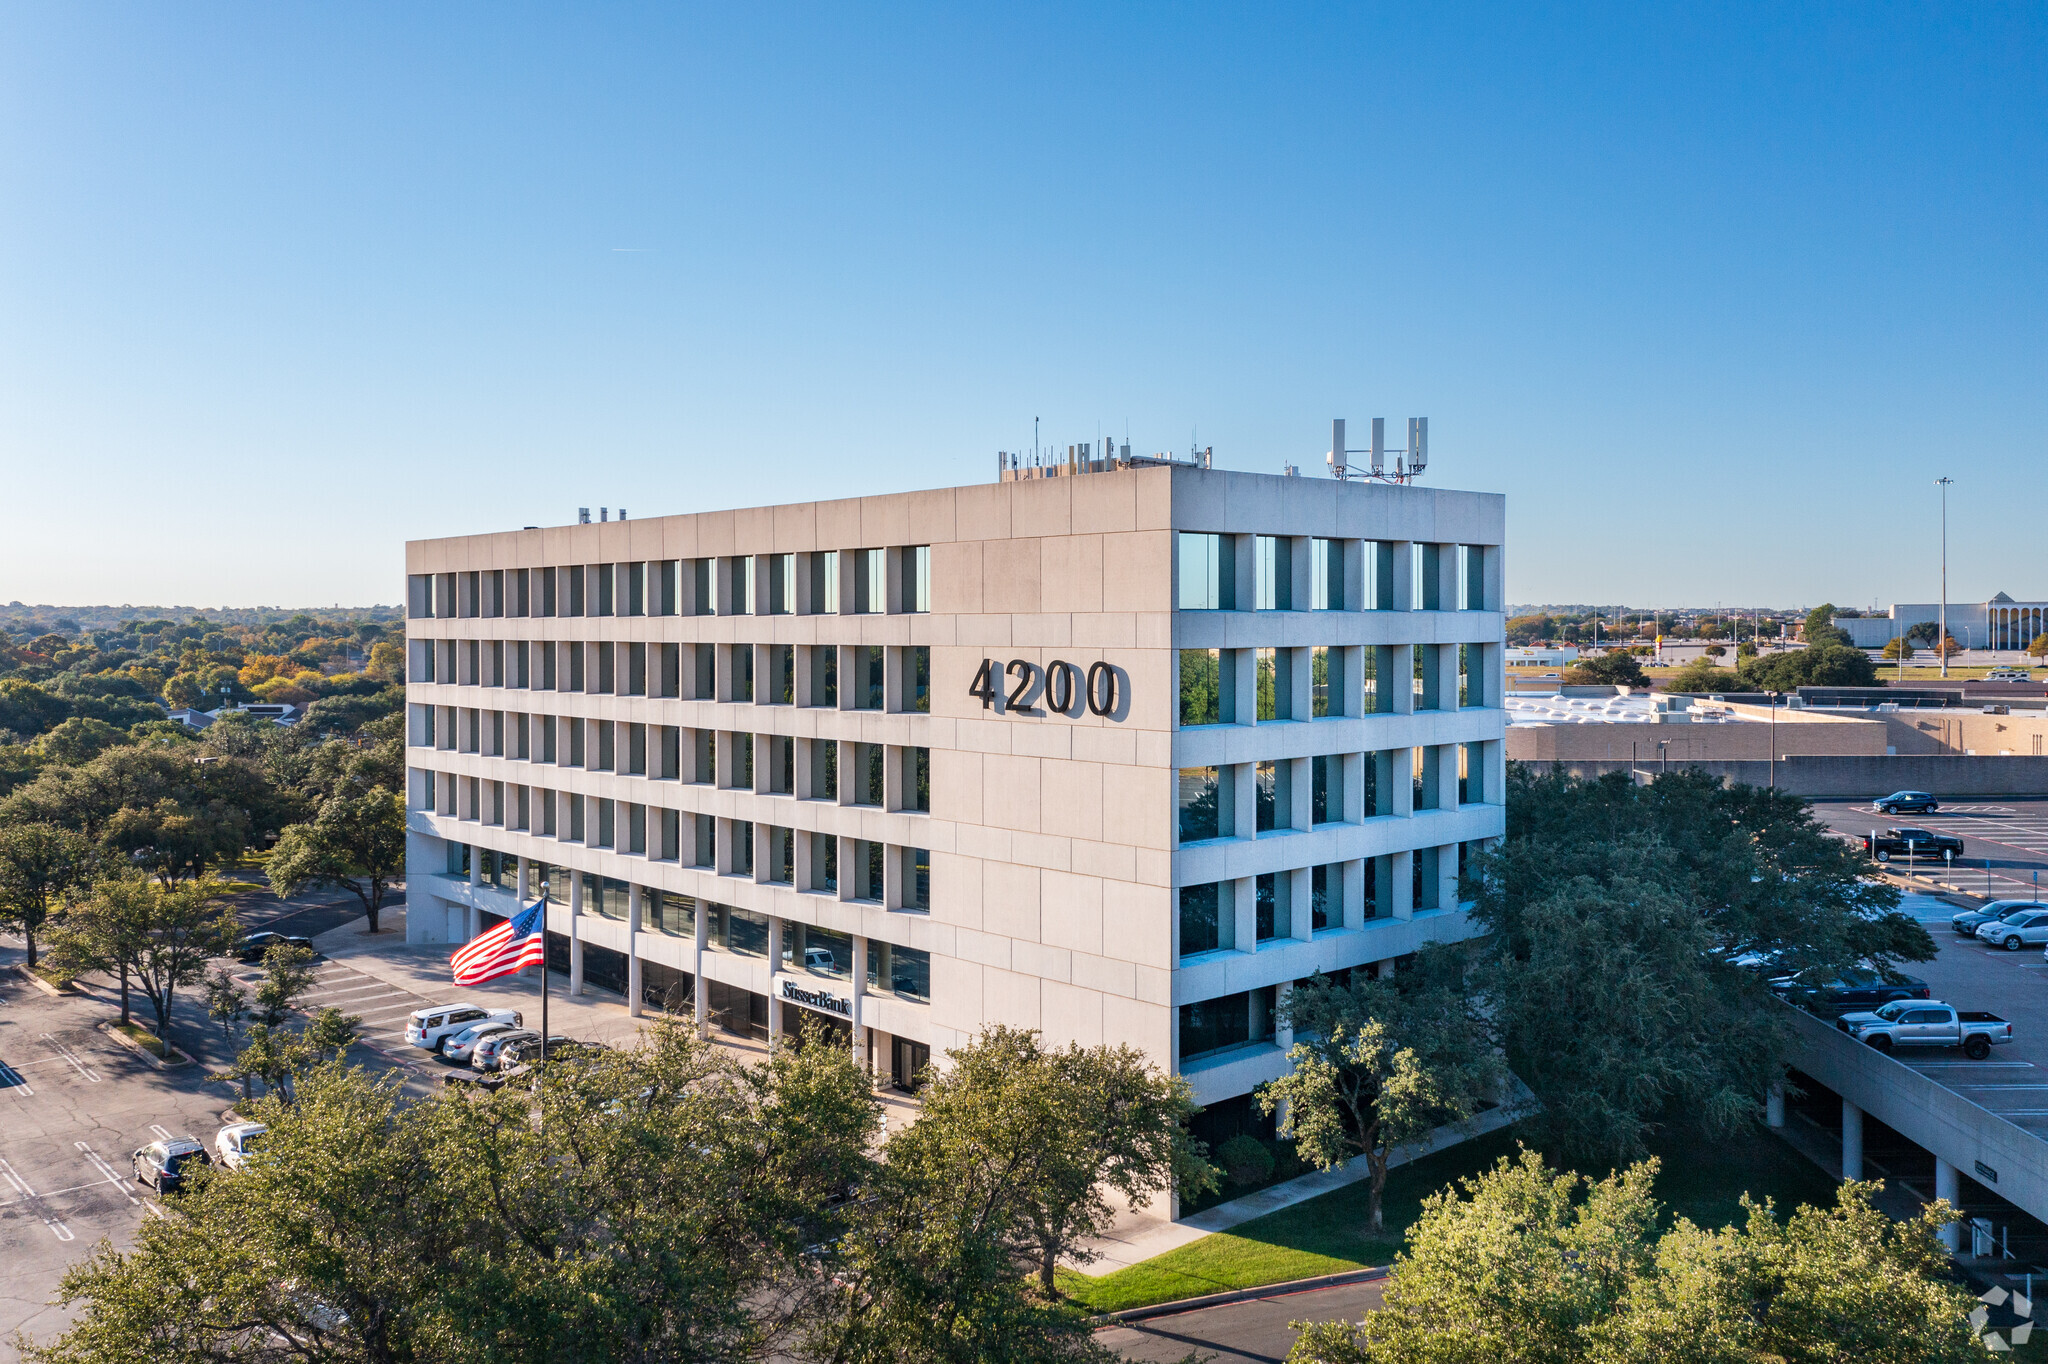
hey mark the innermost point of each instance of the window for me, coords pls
(917, 678)
(1275, 813)
(742, 672)
(825, 675)
(743, 847)
(1216, 1024)
(1427, 695)
(867, 774)
(740, 761)
(741, 602)
(1379, 662)
(1201, 805)
(906, 971)
(1273, 576)
(1425, 863)
(1325, 681)
(1326, 789)
(781, 867)
(870, 582)
(603, 573)
(703, 601)
(823, 952)
(1323, 884)
(1202, 684)
(917, 878)
(1471, 675)
(917, 779)
(825, 863)
(781, 570)
(1275, 675)
(706, 841)
(918, 571)
(870, 882)
(868, 677)
(824, 769)
(1471, 774)
(1471, 577)
(1205, 919)
(1270, 915)
(781, 682)
(1326, 575)
(740, 931)
(825, 583)
(702, 767)
(781, 765)
(1423, 766)
(1208, 581)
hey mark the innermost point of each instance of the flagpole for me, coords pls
(543, 972)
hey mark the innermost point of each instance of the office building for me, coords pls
(1118, 754)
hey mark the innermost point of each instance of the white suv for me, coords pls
(428, 1028)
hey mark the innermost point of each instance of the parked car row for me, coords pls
(2010, 924)
(164, 1165)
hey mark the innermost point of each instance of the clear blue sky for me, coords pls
(1712, 292)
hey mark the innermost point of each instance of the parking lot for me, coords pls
(2005, 842)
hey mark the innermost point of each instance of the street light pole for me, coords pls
(1941, 643)
(1774, 741)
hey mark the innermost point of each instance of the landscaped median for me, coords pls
(1700, 1180)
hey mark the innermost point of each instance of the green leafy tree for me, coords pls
(1614, 668)
(1828, 665)
(2039, 648)
(1380, 1063)
(1820, 629)
(356, 842)
(40, 863)
(1701, 675)
(77, 740)
(1615, 911)
(1898, 648)
(287, 974)
(330, 1033)
(159, 936)
(227, 1004)
(1525, 1266)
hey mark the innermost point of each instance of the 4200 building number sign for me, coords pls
(1062, 688)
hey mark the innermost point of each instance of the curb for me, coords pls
(21, 967)
(125, 1040)
(1271, 1290)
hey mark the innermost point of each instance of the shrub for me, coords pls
(1245, 1159)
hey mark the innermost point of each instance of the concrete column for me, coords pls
(1283, 1033)
(1301, 685)
(774, 969)
(1241, 780)
(1244, 566)
(472, 922)
(762, 777)
(1447, 876)
(761, 857)
(1948, 1186)
(1353, 778)
(1447, 578)
(1301, 902)
(1350, 698)
(1774, 1105)
(1244, 905)
(700, 939)
(859, 994)
(1401, 873)
(849, 875)
(575, 932)
(525, 880)
(846, 773)
(1852, 1141)
(1243, 689)
(1399, 684)
(1357, 573)
(892, 777)
(1300, 777)
(633, 988)
(892, 877)
(1402, 574)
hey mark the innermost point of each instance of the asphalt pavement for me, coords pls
(2005, 841)
(1255, 1331)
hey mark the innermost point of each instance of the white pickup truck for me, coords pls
(1927, 1023)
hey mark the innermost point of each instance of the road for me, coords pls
(1257, 1331)
(2005, 841)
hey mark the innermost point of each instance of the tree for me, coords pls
(1523, 1266)
(1615, 911)
(1054, 1129)
(1923, 633)
(1700, 675)
(1899, 648)
(1948, 648)
(227, 1004)
(1829, 665)
(1380, 1063)
(1615, 668)
(159, 935)
(1820, 629)
(330, 1033)
(39, 864)
(1715, 651)
(2039, 648)
(356, 842)
(77, 740)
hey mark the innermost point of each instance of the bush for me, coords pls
(1245, 1159)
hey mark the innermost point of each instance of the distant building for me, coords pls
(2000, 623)
(1561, 656)
(190, 718)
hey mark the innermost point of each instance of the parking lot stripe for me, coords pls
(65, 1053)
(112, 1176)
(54, 1223)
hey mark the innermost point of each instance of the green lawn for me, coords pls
(1700, 1179)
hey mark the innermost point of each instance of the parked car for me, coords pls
(1852, 990)
(2028, 926)
(2009, 674)
(236, 1142)
(163, 1165)
(467, 1077)
(256, 944)
(1920, 845)
(462, 1046)
(489, 1048)
(1927, 1023)
(528, 1050)
(1970, 920)
(428, 1028)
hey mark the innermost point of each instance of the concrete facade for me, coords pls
(921, 763)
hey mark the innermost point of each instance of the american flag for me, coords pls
(517, 943)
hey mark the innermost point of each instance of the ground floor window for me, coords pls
(738, 1011)
(667, 989)
(907, 1062)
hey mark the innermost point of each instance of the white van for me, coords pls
(428, 1028)
(2009, 675)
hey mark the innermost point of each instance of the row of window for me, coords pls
(825, 582)
(1305, 793)
(878, 677)
(902, 971)
(1209, 912)
(832, 864)
(1215, 689)
(1303, 573)
(895, 777)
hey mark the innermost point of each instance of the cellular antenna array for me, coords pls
(1409, 462)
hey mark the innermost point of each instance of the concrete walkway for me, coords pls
(1141, 1234)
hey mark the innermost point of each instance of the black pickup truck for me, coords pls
(1916, 844)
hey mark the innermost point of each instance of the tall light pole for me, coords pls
(1941, 638)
